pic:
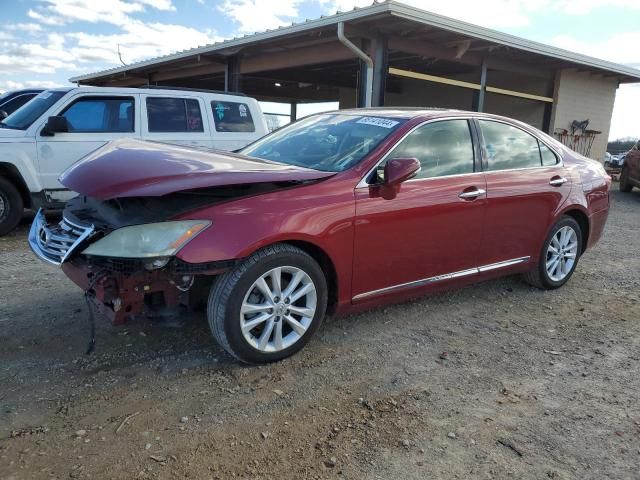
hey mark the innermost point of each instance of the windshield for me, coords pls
(22, 118)
(331, 142)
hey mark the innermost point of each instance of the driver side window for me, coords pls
(100, 115)
(443, 148)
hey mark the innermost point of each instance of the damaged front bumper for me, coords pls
(118, 295)
(122, 288)
(118, 288)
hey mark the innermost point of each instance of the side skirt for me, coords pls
(441, 278)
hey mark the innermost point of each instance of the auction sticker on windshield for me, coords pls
(378, 122)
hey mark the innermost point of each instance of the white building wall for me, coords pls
(580, 96)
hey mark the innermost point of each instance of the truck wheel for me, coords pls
(11, 206)
(559, 256)
(625, 185)
(268, 307)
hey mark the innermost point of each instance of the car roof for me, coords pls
(394, 112)
(152, 90)
(425, 113)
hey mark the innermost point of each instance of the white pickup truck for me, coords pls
(60, 126)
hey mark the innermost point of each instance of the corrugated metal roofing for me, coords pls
(392, 8)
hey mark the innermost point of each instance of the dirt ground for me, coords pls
(498, 380)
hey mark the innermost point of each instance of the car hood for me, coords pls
(136, 168)
(8, 134)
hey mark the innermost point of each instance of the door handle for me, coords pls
(557, 181)
(470, 195)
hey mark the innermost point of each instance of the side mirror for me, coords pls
(57, 124)
(3, 115)
(398, 170)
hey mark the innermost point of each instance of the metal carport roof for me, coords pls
(382, 10)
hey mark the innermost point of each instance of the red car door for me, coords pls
(526, 184)
(432, 229)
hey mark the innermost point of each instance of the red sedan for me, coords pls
(337, 212)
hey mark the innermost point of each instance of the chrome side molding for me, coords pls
(441, 278)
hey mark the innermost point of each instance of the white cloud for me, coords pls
(31, 28)
(137, 41)
(116, 12)
(12, 85)
(619, 48)
(54, 51)
(625, 113)
(259, 15)
(584, 7)
(47, 56)
(494, 13)
(512, 13)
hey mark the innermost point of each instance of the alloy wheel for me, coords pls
(562, 254)
(4, 207)
(278, 309)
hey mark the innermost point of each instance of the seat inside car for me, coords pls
(126, 123)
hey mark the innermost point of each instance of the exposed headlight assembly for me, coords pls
(159, 241)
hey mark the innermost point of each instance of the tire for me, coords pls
(239, 286)
(11, 207)
(540, 276)
(625, 185)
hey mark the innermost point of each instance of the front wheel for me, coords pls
(11, 206)
(559, 256)
(269, 306)
(625, 185)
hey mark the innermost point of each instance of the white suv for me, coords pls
(60, 126)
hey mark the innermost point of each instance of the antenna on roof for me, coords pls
(120, 56)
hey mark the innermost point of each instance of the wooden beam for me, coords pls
(296, 57)
(433, 78)
(424, 49)
(128, 81)
(164, 75)
(473, 86)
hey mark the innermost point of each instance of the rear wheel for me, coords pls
(625, 184)
(11, 206)
(269, 306)
(559, 256)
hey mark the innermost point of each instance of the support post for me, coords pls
(478, 98)
(232, 81)
(294, 111)
(380, 70)
(363, 80)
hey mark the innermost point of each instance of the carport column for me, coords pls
(362, 84)
(293, 115)
(380, 54)
(232, 75)
(478, 97)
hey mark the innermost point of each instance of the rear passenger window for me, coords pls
(548, 157)
(232, 117)
(100, 114)
(509, 147)
(174, 115)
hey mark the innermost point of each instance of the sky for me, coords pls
(45, 42)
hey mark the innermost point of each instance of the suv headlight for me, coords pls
(151, 240)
